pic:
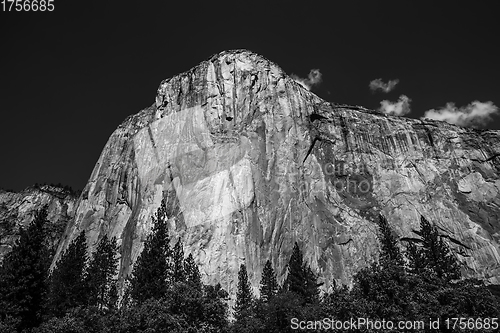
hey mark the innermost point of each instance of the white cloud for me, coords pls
(378, 84)
(313, 79)
(399, 108)
(476, 114)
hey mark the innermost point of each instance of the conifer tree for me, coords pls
(23, 274)
(389, 244)
(268, 283)
(295, 280)
(112, 299)
(67, 282)
(179, 274)
(416, 260)
(192, 272)
(244, 295)
(301, 279)
(101, 270)
(215, 309)
(437, 253)
(434, 256)
(311, 285)
(152, 272)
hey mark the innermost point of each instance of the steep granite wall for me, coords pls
(251, 162)
(17, 209)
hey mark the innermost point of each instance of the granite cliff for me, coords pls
(17, 210)
(250, 162)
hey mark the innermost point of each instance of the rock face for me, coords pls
(249, 162)
(18, 210)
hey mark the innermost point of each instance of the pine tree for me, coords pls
(153, 272)
(434, 256)
(416, 259)
(215, 309)
(244, 296)
(301, 279)
(192, 272)
(112, 299)
(295, 279)
(101, 270)
(439, 255)
(67, 284)
(390, 251)
(23, 274)
(311, 285)
(179, 274)
(268, 283)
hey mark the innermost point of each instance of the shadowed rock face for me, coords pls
(18, 210)
(250, 162)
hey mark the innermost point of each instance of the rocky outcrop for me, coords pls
(249, 162)
(17, 209)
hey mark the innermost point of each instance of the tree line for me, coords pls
(165, 292)
(421, 283)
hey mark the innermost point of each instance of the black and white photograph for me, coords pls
(249, 167)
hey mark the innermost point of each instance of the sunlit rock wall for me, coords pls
(250, 162)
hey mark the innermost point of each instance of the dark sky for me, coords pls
(69, 77)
